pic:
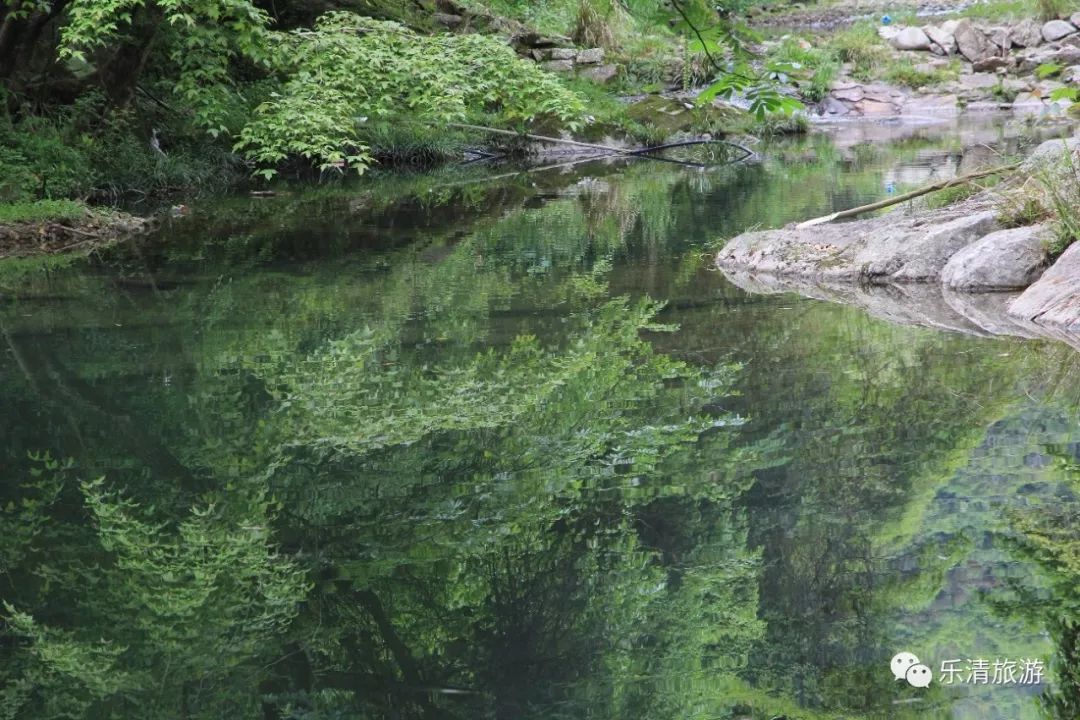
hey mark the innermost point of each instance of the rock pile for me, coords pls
(997, 67)
(977, 43)
(587, 63)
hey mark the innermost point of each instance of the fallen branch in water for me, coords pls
(75, 231)
(630, 152)
(940, 185)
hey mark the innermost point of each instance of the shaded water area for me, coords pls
(455, 446)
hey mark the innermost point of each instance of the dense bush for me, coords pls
(350, 70)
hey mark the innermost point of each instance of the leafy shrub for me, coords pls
(38, 159)
(17, 182)
(350, 69)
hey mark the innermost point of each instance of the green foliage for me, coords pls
(1063, 189)
(1053, 9)
(951, 195)
(598, 23)
(906, 74)
(764, 99)
(205, 37)
(350, 69)
(88, 151)
(41, 211)
(198, 601)
(780, 124)
(1020, 210)
(42, 159)
(1048, 70)
(861, 46)
(814, 69)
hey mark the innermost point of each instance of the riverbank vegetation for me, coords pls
(109, 100)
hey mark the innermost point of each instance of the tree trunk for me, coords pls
(121, 72)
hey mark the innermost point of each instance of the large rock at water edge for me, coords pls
(889, 248)
(1003, 260)
(1054, 299)
(1057, 29)
(927, 252)
(971, 42)
(911, 38)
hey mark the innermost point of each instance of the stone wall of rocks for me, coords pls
(587, 63)
(986, 44)
(998, 69)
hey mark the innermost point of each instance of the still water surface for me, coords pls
(462, 447)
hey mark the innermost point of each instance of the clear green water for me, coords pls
(458, 447)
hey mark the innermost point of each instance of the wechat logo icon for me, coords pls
(905, 666)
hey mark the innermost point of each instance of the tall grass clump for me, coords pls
(599, 23)
(861, 46)
(816, 68)
(1053, 9)
(1063, 190)
(1052, 195)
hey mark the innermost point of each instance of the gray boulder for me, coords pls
(1075, 19)
(992, 64)
(558, 66)
(447, 19)
(1054, 299)
(602, 74)
(888, 32)
(971, 41)
(924, 252)
(563, 53)
(943, 40)
(1001, 38)
(1057, 29)
(1049, 153)
(885, 249)
(911, 38)
(1026, 33)
(979, 80)
(1071, 74)
(1003, 260)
